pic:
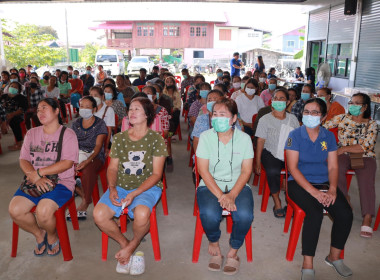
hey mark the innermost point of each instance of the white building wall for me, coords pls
(221, 44)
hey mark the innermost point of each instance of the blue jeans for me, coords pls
(210, 213)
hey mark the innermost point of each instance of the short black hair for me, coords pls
(310, 87)
(223, 87)
(322, 105)
(64, 73)
(366, 101)
(54, 104)
(205, 85)
(91, 99)
(143, 70)
(199, 76)
(155, 67)
(152, 88)
(220, 93)
(226, 77)
(114, 91)
(109, 79)
(161, 83)
(148, 109)
(284, 90)
(236, 53)
(326, 90)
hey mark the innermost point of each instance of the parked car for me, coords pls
(138, 62)
(111, 60)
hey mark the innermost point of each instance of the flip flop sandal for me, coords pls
(279, 213)
(231, 266)
(52, 246)
(39, 246)
(366, 231)
(82, 215)
(215, 263)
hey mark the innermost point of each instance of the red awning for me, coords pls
(112, 26)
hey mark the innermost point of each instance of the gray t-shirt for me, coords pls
(269, 129)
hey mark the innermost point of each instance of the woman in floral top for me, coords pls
(357, 133)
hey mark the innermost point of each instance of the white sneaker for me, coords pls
(138, 264)
(124, 268)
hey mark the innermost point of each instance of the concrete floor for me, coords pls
(176, 233)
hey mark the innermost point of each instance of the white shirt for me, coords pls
(236, 94)
(247, 108)
(109, 118)
(52, 94)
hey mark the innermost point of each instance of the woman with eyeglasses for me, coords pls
(312, 160)
(270, 150)
(357, 134)
(224, 158)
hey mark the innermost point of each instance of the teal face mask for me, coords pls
(13, 80)
(311, 121)
(323, 98)
(242, 85)
(108, 95)
(203, 93)
(13, 90)
(219, 74)
(75, 76)
(209, 105)
(355, 110)
(305, 96)
(88, 72)
(272, 86)
(184, 77)
(220, 124)
(158, 95)
(279, 105)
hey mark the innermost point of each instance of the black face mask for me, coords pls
(46, 77)
(33, 85)
(171, 87)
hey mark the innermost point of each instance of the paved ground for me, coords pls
(176, 239)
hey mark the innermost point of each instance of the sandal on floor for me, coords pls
(52, 246)
(279, 213)
(39, 246)
(231, 266)
(366, 231)
(215, 263)
(339, 267)
(82, 215)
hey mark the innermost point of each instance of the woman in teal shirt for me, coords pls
(64, 91)
(224, 157)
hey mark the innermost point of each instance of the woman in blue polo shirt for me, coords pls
(312, 160)
(224, 157)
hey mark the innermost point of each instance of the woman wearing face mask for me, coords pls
(22, 75)
(15, 104)
(292, 99)
(110, 95)
(34, 94)
(91, 132)
(270, 148)
(45, 78)
(76, 91)
(267, 94)
(219, 75)
(224, 158)
(195, 109)
(193, 91)
(64, 92)
(333, 108)
(312, 160)
(14, 77)
(236, 84)
(241, 90)
(249, 104)
(357, 133)
(119, 95)
(262, 82)
(52, 90)
(306, 94)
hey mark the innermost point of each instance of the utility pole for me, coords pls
(67, 39)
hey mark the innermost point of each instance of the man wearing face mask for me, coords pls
(267, 94)
(88, 81)
(187, 81)
(34, 93)
(307, 93)
(204, 89)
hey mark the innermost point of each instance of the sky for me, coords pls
(278, 18)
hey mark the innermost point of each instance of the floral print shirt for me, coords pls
(352, 133)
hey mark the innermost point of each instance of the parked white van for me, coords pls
(111, 60)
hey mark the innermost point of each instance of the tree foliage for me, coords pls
(298, 55)
(24, 45)
(47, 30)
(88, 54)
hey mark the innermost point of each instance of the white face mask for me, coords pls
(98, 101)
(262, 80)
(150, 97)
(250, 91)
(85, 113)
(236, 85)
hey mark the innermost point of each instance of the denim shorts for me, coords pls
(59, 195)
(148, 198)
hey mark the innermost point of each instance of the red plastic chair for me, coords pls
(116, 122)
(140, 87)
(188, 143)
(123, 226)
(212, 83)
(266, 193)
(68, 110)
(199, 228)
(61, 229)
(164, 199)
(185, 112)
(377, 222)
(178, 132)
(178, 78)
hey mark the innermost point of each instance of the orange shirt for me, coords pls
(335, 109)
(76, 85)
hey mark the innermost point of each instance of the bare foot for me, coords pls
(232, 253)
(125, 253)
(214, 249)
(39, 239)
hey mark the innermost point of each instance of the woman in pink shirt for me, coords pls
(38, 160)
(266, 95)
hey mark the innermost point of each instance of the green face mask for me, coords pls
(12, 90)
(279, 105)
(184, 77)
(355, 110)
(323, 98)
(220, 124)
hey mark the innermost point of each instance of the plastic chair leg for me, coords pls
(197, 239)
(63, 234)
(104, 246)
(299, 216)
(265, 198)
(229, 224)
(95, 194)
(178, 132)
(255, 180)
(164, 201)
(14, 240)
(263, 178)
(377, 222)
(123, 223)
(341, 254)
(154, 235)
(288, 218)
(248, 245)
(191, 158)
(68, 110)
(188, 143)
(348, 179)
(195, 211)
(73, 214)
(103, 179)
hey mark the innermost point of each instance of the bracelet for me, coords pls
(38, 173)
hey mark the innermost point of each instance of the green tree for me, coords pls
(88, 54)
(24, 45)
(299, 55)
(47, 30)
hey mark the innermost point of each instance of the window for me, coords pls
(253, 35)
(123, 35)
(192, 31)
(172, 29)
(290, 44)
(198, 32)
(339, 59)
(151, 31)
(204, 31)
(198, 54)
(225, 34)
(317, 55)
(139, 32)
(145, 29)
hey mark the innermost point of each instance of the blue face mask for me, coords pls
(311, 121)
(219, 74)
(203, 93)
(305, 96)
(108, 95)
(75, 76)
(209, 105)
(13, 80)
(158, 95)
(272, 86)
(220, 124)
(88, 72)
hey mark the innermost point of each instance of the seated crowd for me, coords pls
(237, 127)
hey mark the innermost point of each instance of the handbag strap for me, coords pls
(60, 142)
(105, 111)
